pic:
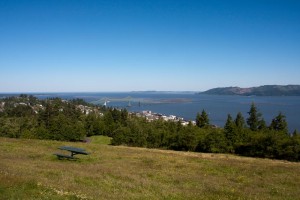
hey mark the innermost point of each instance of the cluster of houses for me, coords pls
(87, 110)
(156, 116)
(38, 107)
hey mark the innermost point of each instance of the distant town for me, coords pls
(85, 109)
(156, 116)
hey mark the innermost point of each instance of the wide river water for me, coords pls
(187, 105)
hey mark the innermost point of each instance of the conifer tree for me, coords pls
(262, 124)
(254, 118)
(279, 123)
(229, 124)
(229, 131)
(202, 120)
(295, 133)
(239, 120)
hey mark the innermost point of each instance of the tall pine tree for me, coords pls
(202, 120)
(254, 118)
(229, 131)
(279, 123)
(239, 120)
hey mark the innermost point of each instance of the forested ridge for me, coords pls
(265, 90)
(26, 116)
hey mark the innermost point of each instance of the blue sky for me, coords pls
(167, 45)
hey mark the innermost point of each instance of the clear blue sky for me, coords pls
(94, 45)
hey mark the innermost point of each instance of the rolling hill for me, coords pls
(29, 170)
(266, 90)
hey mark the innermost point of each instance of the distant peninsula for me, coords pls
(265, 90)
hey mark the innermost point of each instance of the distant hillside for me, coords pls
(266, 90)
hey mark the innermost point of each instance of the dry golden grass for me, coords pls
(29, 170)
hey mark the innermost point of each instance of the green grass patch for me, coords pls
(100, 139)
(29, 170)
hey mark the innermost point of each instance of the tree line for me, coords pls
(28, 117)
(250, 137)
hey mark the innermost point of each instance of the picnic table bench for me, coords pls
(73, 150)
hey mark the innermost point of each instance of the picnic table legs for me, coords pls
(73, 153)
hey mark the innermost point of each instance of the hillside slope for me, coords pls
(266, 90)
(29, 170)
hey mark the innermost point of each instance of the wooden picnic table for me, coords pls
(73, 150)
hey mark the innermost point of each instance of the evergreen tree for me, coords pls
(124, 116)
(279, 123)
(120, 136)
(186, 140)
(202, 120)
(109, 123)
(254, 118)
(198, 119)
(262, 124)
(229, 131)
(214, 142)
(45, 115)
(229, 126)
(116, 115)
(239, 120)
(205, 118)
(295, 133)
(92, 125)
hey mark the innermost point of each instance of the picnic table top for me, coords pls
(74, 149)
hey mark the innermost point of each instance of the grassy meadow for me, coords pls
(29, 170)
